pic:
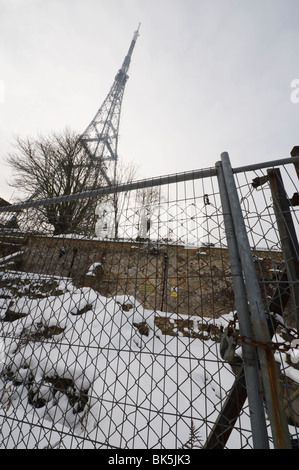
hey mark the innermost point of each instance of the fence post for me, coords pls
(287, 234)
(249, 353)
(295, 153)
(268, 366)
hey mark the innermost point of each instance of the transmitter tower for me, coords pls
(100, 138)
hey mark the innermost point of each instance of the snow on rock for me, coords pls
(92, 269)
(101, 369)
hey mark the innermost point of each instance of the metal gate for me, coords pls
(168, 319)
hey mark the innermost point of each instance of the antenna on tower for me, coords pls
(100, 138)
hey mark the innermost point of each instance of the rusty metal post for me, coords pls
(268, 366)
(295, 153)
(224, 424)
(287, 234)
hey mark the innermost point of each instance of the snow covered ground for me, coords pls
(78, 370)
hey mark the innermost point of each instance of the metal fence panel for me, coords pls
(264, 216)
(111, 333)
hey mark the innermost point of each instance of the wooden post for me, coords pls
(287, 234)
(295, 153)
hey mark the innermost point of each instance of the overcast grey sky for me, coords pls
(206, 76)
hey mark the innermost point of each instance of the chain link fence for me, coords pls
(119, 324)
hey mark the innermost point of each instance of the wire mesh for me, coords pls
(270, 213)
(111, 329)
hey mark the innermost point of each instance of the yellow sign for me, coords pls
(174, 291)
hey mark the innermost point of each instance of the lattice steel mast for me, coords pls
(100, 138)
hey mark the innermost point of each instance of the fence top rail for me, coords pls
(135, 185)
(261, 165)
(145, 183)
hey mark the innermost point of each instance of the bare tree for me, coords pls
(195, 441)
(56, 165)
(126, 173)
(113, 205)
(148, 199)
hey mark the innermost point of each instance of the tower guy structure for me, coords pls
(100, 138)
